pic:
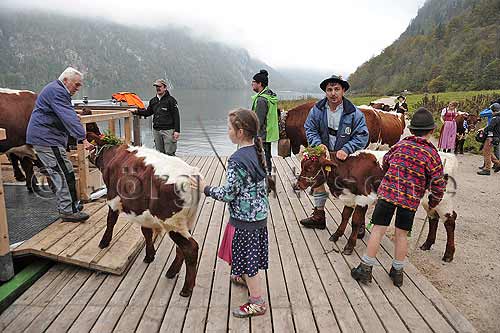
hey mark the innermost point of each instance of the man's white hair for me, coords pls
(69, 73)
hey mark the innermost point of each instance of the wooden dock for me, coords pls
(307, 290)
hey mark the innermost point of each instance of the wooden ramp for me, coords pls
(77, 243)
(307, 290)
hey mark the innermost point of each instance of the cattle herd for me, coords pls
(149, 188)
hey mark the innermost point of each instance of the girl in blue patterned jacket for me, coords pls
(246, 192)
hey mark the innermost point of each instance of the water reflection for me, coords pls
(211, 105)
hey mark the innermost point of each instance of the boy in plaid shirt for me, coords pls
(411, 167)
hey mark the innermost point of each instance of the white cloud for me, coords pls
(318, 34)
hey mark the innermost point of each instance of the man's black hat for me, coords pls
(334, 79)
(422, 120)
(262, 77)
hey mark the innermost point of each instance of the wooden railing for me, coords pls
(91, 180)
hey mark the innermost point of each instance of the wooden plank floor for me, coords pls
(307, 290)
(77, 243)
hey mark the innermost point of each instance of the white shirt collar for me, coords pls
(65, 87)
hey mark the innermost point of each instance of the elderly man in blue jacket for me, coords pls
(51, 122)
(338, 125)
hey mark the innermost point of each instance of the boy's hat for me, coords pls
(401, 96)
(334, 79)
(422, 120)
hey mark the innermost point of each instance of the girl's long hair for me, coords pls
(247, 121)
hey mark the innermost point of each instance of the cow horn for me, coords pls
(327, 153)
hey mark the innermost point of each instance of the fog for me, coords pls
(322, 35)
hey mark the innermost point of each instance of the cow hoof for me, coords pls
(171, 273)
(20, 179)
(361, 234)
(347, 251)
(334, 237)
(448, 258)
(426, 247)
(103, 244)
(147, 259)
(185, 293)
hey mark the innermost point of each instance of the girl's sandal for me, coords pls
(238, 280)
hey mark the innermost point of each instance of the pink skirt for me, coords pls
(226, 244)
(448, 135)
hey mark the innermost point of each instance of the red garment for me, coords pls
(226, 247)
(412, 166)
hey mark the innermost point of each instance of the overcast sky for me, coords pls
(314, 34)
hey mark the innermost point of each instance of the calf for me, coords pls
(462, 129)
(355, 182)
(152, 189)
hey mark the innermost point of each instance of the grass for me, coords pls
(413, 100)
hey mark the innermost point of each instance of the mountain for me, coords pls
(451, 45)
(35, 48)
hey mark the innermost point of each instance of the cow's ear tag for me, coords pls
(328, 168)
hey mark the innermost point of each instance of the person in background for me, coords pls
(246, 192)
(411, 166)
(265, 104)
(401, 106)
(337, 124)
(488, 114)
(166, 120)
(493, 139)
(52, 121)
(448, 133)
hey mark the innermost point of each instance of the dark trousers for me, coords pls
(267, 153)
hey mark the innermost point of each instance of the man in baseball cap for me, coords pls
(166, 120)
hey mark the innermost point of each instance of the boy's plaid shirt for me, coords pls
(412, 166)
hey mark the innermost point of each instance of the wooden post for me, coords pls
(128, 129)
(137, 130)
(111, 126)
(6, 265)
(83, 172)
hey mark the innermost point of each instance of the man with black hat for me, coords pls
(401, 106)
(339, 126)
(265, 104)
(166, 121)
(411, 166)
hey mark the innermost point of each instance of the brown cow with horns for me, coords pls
(384, 128)
(152, 189)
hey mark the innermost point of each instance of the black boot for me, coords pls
(317, 220)
(362, 273)
(396, 276)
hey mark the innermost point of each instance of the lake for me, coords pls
(211, 105)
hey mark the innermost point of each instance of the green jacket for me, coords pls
(265, 104)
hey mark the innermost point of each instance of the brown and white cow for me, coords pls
(152, 189)
(355, 182)
(472, 120)
(384, 128)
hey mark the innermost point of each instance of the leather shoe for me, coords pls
(75, 217)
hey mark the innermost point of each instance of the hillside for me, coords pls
(36, 47)
(450, 45)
